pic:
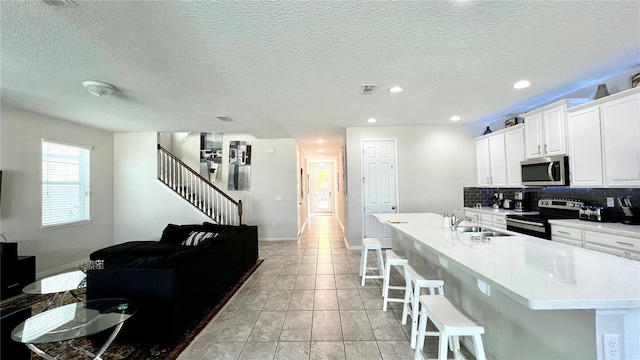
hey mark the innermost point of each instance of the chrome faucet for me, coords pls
(453, 217)
(455, 224)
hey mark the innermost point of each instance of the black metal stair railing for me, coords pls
(194, 188)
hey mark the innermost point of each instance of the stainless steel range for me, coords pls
(538, 225)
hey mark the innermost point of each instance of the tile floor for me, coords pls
(305, 302)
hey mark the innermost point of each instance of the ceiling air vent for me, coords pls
(224, 118)
(61, 3)
(368, 89)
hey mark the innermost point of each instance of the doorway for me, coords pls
(379, 179)
(321, 191)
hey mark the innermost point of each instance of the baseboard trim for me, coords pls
(278, 239)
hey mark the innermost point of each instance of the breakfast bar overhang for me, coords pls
(537, 299)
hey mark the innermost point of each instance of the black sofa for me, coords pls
(11, 317)
(173, 283)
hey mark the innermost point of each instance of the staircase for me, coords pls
(197, 190)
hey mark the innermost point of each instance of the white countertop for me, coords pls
(538, 273)
(490, 210)
(611, 228)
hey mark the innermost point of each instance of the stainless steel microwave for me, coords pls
(550, 171)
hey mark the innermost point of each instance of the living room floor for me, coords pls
(305, 302)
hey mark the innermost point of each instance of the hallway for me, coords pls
(305, 302)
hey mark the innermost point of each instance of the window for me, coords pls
(65, 183)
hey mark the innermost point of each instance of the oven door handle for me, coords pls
(525, 222)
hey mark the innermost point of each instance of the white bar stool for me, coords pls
(371, 244)
(451, 322)
(420, 276)
(399, 259)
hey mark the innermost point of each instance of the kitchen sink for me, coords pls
(479, 232)
(484, 234)
(467, 229)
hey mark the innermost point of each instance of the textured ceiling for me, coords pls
(294, 69)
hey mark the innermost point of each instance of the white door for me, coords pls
(321, 187)
(378, 182)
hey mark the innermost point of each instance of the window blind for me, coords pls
(65, 183)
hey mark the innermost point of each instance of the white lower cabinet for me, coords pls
(619, 245)
(623, 246)
(472, 214)
(499, 222)
(486, 219)
(566, 235)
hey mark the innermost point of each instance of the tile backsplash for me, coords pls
(597, 197)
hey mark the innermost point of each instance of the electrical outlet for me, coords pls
(610, 202)
(611, 346)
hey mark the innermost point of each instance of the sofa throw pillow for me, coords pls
(196, 237)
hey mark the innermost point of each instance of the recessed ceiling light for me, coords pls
(521, 84)
(455, 118)
(395, 89)
(371, 120)
(321, 150)
(320, 141)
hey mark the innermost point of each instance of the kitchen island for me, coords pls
(537, 299)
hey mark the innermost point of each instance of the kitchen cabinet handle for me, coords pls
(624, 243)
(563, 232)
(545, 149)
(538, 149)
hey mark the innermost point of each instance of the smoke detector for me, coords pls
(368, 89)
(224, 118)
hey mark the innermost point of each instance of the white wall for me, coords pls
(434, 164)
(143, 206)
(272, 175)
(21, 158)
(186, 146)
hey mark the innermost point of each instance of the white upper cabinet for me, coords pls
(545, 129)
(533, 136)
(585, 152)
(545, 133)
(498, 157)
(483, 163)
(554, 130)
(498, 165)
(514, 148)
(604, 141)
(621, 141)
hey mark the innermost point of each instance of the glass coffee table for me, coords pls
(58, 285)
(65, 323)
